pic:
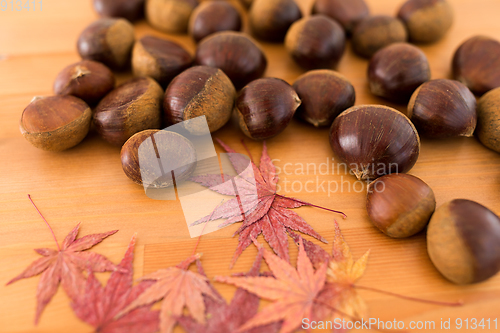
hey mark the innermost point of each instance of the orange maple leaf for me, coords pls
(293, 291)
(178, 288)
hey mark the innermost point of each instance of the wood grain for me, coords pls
(86, 184)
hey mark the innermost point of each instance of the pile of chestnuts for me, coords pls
(225, 76)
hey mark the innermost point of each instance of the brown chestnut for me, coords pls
(236, 53)
(142, 153)
(109, 41)
(160, 59)
(265, 107)
(488, 120)
(400, 205)
(270, 19)
(316, 42)
(347, 13)
(463, 241)
(476, 64)
(132, 107)
(131, 10)
(397, 70)
(374, 140)
(213, 16)
(324, 95)
(55, 123)
(200, 91)
(87, 80)
(246, 3)
(426, 20)
(375, 33)
(170, 16)
(443, 108)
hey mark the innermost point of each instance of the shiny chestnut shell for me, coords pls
(488, 120)
(463, 241)
(265, 107)
(270, 19)
(347, 13)
(476, 64)
(443, 108)
(213, 16)
(109, 41)
(374, 140)
(397, 70)
(324, 95)
(131, 10)
(316, 42)
(426, 20)
(200, 91)
(177, 155)
(159, 59)
(236, 53)
(132, 107)
(87, 80)
(375, 33)
(400, 205)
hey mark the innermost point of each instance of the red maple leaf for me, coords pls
(178, 288)
(228, 318)
(293, 292)
(257, 204)
(65, 266)
(98, 305)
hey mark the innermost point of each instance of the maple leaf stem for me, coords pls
(311, 205)
(409, 298)
(248, 150)
(48, 225)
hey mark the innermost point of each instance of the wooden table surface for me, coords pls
(86, 184)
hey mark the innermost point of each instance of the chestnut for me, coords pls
(347, 13)
(141, 153)
(324, 94)
(131, 10)
(443, 108)
(476, 64)
(397, 70)
(374, 140)
(235, 53)
(86, 79)
(55, 123)
(270, 19)
(488, 120)
(170, 16)
(160, 59)
(463, 241)
(426, 20)
(316, 42)
(246, 3)
(375, 33)
(400, 205)
(213, 16)
(132, 107)
(109, 41)
(265, 107)
(200, 91)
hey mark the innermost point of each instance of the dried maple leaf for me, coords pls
(339, 292)
(178, 288)
(98, 305)
(65, 266)
(293, 291)
(257, 204)
(227, 318)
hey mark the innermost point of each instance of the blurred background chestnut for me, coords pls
(213, 16)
